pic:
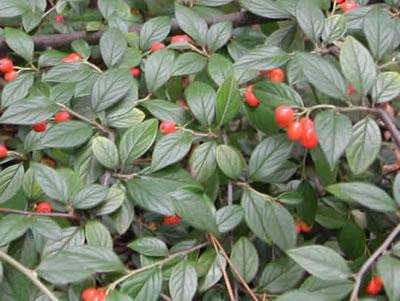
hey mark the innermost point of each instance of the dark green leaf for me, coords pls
(352, 240)
(203, 161)
(263, 58)
(228, 217)
(268, 9)
(165, 110)
(183, 282)
(105, 152)
(335, 28)
(333, 289)
(11, 227)
(11, 179)
(201, 99)
(386, 87)
(188, 63)
(228, 101)
(191, 23)
(90, 196)
(310, 18)
(389, 270)
(302, 296)
(244, 257)
(154, 30)
(17, 89)
(218, 35)
(149, 246)
(20, 42)
(113, 46)
(158, 69)
(230, 161)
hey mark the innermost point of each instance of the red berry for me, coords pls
(156, 46)
(295, 131)
(167, 127)
(43, 207)
(40, 127)
(172, 220)
(180, 39)
(309, 138)
(284, 116)
(305, 228)
(374, 286)
(59, 19)
(349, 6)
(62, 117)
(251, 99)
(276, 75)
(72, 58)
(183, 104)
(101, 295)
(338, 1)
(298, 228)
(135, 72)
(306, 123)
(351, 90)
(10, 76)
(89, 294)
(6, 65)
(3, 151)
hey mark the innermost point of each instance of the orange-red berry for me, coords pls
(157, 46)
(349, 6)
(3, 151)
(62, 117)
(72, 58)
(89, 294)
(309, 138)
(179, 39)
(276, 75)
(251, 99)
(10, 76)
(295, 131)
(135, 72)
(6, 65)
(40, 127)
(172, 220)
(59, 19)
(351, 90)
(374, 287)
(44, 207)
(167, 127)
(284, 116)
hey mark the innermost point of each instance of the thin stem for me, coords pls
(93, 66)
(385, 245)
(199, 134)
(147, 97)
(124, 177)
(234, 269)
(201, 52)
(48, 12)
(31, 275)
(160, 263)
(29, 213)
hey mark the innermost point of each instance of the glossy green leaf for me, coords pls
(201, 99)
(183, 282)
(229, 160)
(386, 87)
(105, 152)
(11, 179)
(203, 162)
(244, 257)
(158, 69)
(149, 246)
(90, 196)
(228, 101)
(113, 46)
(20, 42)
(191, 23)
(154, 30)
(389, 270)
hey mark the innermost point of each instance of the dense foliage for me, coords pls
(222, 150)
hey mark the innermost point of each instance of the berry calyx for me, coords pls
(135, 72)
(156, 46)
(180, 39)
(62, 117)
(275, 75)
(351, 90)
(309, 138)
(59, 19)
(284, 116)
(3, 151)
(72, 58)
(43, 207)
(89, 294)
(10, 76)
(183, 104)
(295, 131)
(374, 287)
(172, 220)
(349, 6)
(251, 99)
(6, 65)
(167, 127)
(40, 127)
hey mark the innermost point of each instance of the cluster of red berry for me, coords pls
(59, 117)
(93, 294)
(347, 5)
(374, 286)
(172, 220)
(302, 227)
(7, 67)
(43, 207)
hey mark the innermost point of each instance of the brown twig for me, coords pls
(29, 213)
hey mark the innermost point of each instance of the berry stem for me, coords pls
(93, 66)
(384, 246)
(29, 213)
(31, 275)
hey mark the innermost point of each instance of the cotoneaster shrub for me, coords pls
(199, 150)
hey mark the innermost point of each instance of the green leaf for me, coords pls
(114, 199)
(230, 161)
(158, 69)
(107, 7)
(202, 161)
(82, 48)
(272, 95)
(329, 218)
(61, 135)
(12, 8)
(334, 132)
(62, 73)
(263, 58)
(170, 149)
(154, 30)
(389, 270)
(11, 179)
(62, 93)
(188, 63)
(228, 217)
(90, 196)
(12, 226)
(105, 152)
(113, 46)
(333, 289)
(321, 262)
(183, 282)
(137, 140)
(145, 286)
(386, 87)
(244, 257)
(153, 191)
(165, 110)
(310, 18)
(214, 272)
(268, 220)
(322, 74)
(302, 296)
(196, 209)
(213, 2)
(365, 194)
(268, 157)
(20, 42)
(228, 100)
(219, 68)
(396, 189)
(191, 23)
(268, 9)
(364, 146)
(117, 296)
(218, 35)
(30, 111)
(335, 28)
(352, 240)
(125, 118)
(17, 89)
(46, 227)
(379, 31)
(280, 275)
(77, 263)
(51, 182)
(110, 88)
(201, 99)
(358, 65)
(149, 246)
